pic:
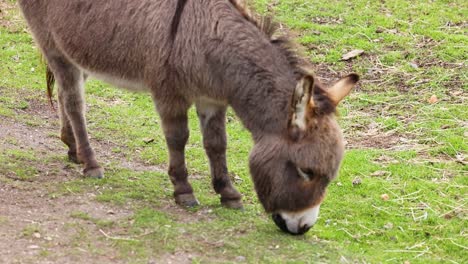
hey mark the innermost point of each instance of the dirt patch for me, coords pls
(10, 17)
(35, 228)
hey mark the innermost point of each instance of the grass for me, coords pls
(399, 145)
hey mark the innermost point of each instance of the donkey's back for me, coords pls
(120, 41)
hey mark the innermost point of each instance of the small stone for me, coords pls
(110, 212)
(448, 216)
(406, 262)
(380, 30)
(385, 197)
(37, 235)
(240, 259)
(48, 238)
(34, 247)
(339, 184)
(388, 226)
(357, 181)
(460, 158)
(414, 65)
(148, 140)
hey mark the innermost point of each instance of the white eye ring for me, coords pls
(303, 174)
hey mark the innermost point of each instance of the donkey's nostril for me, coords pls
(304, 229)
(280, 222)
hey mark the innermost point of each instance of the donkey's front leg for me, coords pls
(175, 125)
(213, 124)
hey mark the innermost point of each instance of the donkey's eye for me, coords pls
(307, 174)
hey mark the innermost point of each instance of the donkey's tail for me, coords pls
(50, 79)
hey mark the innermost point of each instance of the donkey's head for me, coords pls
(291, 171)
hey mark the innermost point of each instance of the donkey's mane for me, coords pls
(267, 25)
(300, 66)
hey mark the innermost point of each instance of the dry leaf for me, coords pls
(433, 99)
(385, 197)
(352, 54)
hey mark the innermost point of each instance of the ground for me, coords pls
(400, 197)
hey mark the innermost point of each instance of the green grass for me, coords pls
(399, 145)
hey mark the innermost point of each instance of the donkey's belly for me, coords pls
(132, 85)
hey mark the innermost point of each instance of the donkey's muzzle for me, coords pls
(281, 223)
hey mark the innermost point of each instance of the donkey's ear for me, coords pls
(302, 103)
(342, 88)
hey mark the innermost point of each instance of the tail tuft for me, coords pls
(50, 85)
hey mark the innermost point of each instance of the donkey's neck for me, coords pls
(262, 107)
(262, 89)
(246, 69)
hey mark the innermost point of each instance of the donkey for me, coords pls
(213, 54)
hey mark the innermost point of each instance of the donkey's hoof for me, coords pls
(96, 173)
(186, 200)
(232, 203)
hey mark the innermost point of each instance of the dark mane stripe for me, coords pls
(269, 27)
(176, 19)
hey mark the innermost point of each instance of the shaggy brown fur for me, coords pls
(208, 52)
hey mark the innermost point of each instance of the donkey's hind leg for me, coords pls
(70, 82)
(213, 124)
(66, 131)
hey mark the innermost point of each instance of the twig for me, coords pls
(422, 253)
(117, 238)
(453, 210)
(380, 209)
(68, 189)
(405, 251)
(417, 245)
(351, 235)
(453, 242)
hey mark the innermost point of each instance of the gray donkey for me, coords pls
(213, 54)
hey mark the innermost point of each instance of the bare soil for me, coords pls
(38, 227)
(35, 226)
